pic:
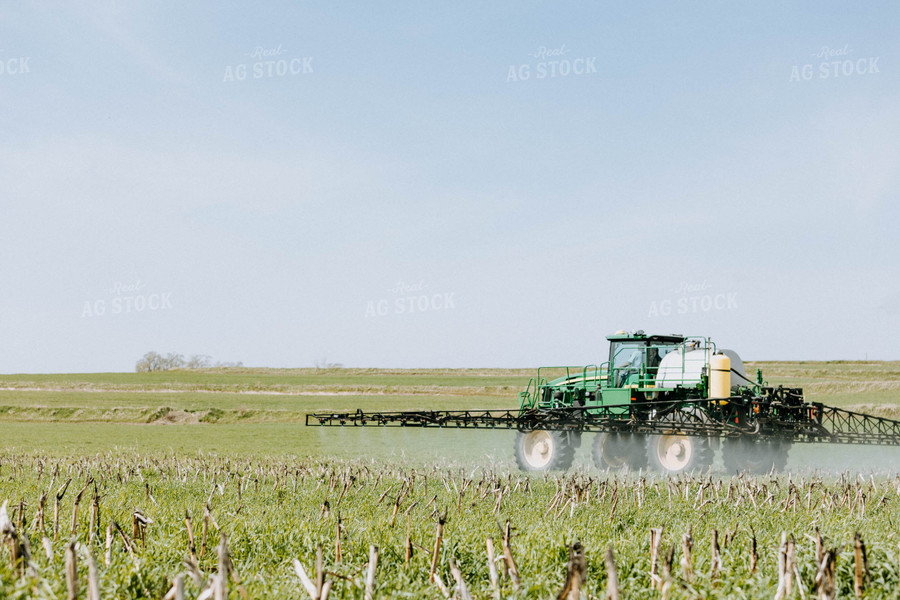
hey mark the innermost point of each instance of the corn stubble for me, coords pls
(325, 529)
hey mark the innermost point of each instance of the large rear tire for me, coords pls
(542, 450)
(678, 453)
(754, 456)
(618, 450)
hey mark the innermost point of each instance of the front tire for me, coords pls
(617, 450)
(677, 453)
(542, 450)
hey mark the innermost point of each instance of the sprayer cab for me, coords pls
(634, 358)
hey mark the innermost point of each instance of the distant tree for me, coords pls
(198, 361)
(152, 361)
(173, 361)
(323, 363)
(228, 365)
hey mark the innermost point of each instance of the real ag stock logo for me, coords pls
(552, 63)
(693, 298)
(267, 63)
(410, 298)
(14, 65)
(834, 63)
(126, 298)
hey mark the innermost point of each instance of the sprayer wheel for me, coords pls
(677, 453)
(617, 450)
(542, 450)
(754, 456)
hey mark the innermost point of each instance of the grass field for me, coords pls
(261, 411)
(233, 440)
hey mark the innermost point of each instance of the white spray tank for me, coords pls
(686, 369)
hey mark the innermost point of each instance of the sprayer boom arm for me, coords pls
(807, 422)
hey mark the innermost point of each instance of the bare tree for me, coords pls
(324, 364)
(173, 361)
(228, 365)
(198, 361)
(152, 361)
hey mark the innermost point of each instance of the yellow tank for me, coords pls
(719, 376)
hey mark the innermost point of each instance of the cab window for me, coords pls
(627, 355)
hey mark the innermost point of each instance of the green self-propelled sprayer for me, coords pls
(662, 401)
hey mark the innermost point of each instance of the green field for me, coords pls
(166, 443)
(261, 411)
(274, 510)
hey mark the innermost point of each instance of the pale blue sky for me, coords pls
(687, 184)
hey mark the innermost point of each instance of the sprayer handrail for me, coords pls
(569, 369)
(707, 344)
(526, 395)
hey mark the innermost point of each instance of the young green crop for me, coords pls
(274, 510)
(241, 457)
